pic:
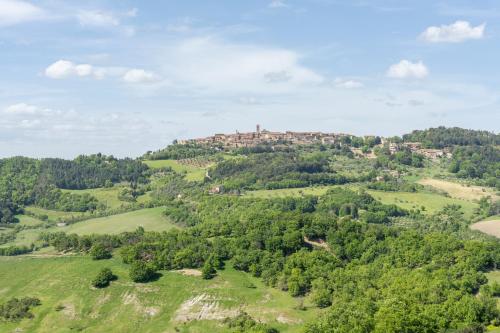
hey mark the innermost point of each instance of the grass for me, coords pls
(151, 219)
(490, 226)
(192, 173)
(28, 220)
(53, 215)
(108, 196)
(70, 304)
(287, 192)
(460, 191)
(431, 201)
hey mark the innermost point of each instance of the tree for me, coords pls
(103, 278)
(297, 283)
(141, 272)
(320, 294)
(98, 251)
(208, 271)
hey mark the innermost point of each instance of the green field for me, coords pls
(431, 201)
(408, 200)
(108, 196)
(70, 304)
(287, 192)
(192, 173)
(53, 215)
(151, 219)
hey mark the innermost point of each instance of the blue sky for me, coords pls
(124, 77)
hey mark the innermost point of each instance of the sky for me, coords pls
(124, 77)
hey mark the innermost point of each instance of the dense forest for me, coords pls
(181, 151)
(481, 162)
(25, 181)
(441, 137)
(280, 170)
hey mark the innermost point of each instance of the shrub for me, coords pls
(244, 323)
(103, 278)
(98, 251)
(141, 272)
(208, 271)
(17, 309)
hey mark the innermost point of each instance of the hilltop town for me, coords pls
(251, 139)
(260, 137)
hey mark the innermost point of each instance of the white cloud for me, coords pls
(84, 70)
(37, 131)
(277, 4)
(63, 68)
(454, 33)
(17, 11)
(348, 84)
(407, 69)
(21, 109)
(96, 18)
(140, 76)
(212, 63)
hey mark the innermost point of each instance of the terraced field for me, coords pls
(169, 304)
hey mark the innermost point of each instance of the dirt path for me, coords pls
(318, 243)
(488, 227)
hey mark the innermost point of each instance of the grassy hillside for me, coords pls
(151, 219)
(460, 191)
(193, 173)
(70, 304)
(108, 196)
(431, 201)
(285, 192)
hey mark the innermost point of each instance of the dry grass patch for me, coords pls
(460, 191)
(189, 272)
(491, 227)
(203, 307)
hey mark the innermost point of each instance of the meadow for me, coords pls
(192, 173)
(415, 200)
(151, 219)
(285, 192)
(408, 200)
(108, 196)
(69, 303)
(460, 191)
